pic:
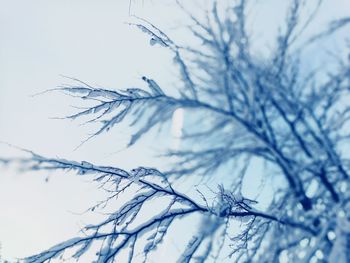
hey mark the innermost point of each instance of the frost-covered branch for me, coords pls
(243, 108)
(119, 230)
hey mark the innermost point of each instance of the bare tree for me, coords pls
(271, 108)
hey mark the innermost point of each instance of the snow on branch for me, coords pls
(242, 107)
(119, 230)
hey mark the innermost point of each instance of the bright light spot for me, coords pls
(304, 242)
(302, 254)
(312, 242)
(343, 187)
(313, 260)
(283, 257)
(177, 122)
(331, 235)
(312, 189)
(319, 254)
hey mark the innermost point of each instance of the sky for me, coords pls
(88, 39)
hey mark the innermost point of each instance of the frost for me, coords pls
(53, 251)
(339, 253)
(85, 247)
(243, 109)
(152, 41)
(86, 165)
(154, 87)
(331, 235)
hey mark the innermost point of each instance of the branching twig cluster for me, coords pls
(267, 109)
